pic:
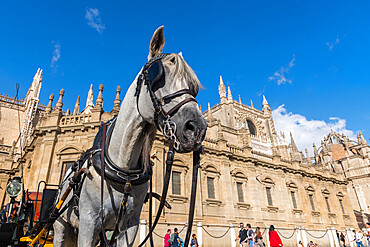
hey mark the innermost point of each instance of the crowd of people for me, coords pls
(174, 239)
(249, 238)
(360, 235)
(9, 213)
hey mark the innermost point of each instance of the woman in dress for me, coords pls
(258, 241)
(274, 238)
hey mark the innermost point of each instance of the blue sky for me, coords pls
(311, 56)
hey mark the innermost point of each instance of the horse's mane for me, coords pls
(183, 71)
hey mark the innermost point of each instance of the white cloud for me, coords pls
(56, 55)
(280, 75)
(94, 20)
(305, 132)
(331, 45)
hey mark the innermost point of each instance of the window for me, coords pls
(269, 198)
(327, 203)
(251, 127)
(176, 183)
(211, 187)
(292, 194)
(66, 165)
(341, 205)
(311, 201)
(239, 188)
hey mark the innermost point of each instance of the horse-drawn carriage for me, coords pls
(110, 182)
(30, 213)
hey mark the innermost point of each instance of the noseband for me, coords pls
(153, 76)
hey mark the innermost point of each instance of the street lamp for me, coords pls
(14, 188)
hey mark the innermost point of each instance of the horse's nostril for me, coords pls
(189, 125)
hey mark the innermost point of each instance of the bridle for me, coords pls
(153, 76)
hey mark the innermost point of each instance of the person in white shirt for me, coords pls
(368, 233)
(357, 239)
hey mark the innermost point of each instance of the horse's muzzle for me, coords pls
(193, 132)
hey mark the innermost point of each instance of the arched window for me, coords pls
(293, 190)
(251, 127)
(269, 185)
(311, 192)
(240, 180)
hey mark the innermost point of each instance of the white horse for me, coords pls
(130, 143)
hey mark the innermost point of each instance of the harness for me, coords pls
(153, 76)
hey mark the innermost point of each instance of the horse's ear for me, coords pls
(157, 43)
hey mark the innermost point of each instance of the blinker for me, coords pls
(156, 76)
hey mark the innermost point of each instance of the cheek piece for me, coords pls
(153, 76)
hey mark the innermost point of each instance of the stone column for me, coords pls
(142, 230)
(304, 236)
(336, 240)
(199, 234)
(232, 235)
(350, 237)
(298, 234)
(330, 237)
(267, 236)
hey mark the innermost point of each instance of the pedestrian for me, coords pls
(13, 213)
(310, 244)
(343, 239)
(194, 241)
(274, 238)
(242, 236)
(166, 238)
(3, 215)
(338, 237)
(251, 235)
(258, 238)
(367, 233)
(175, 239)
(300, 244)
(357, 239)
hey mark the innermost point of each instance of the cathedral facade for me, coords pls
(249, 173)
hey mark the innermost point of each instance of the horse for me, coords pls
(170, 86)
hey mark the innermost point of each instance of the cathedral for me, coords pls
(249, 172)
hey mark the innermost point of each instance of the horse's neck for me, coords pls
(127, 136)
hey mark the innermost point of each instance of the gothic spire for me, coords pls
(229, 96)
(99, 99)
(77, 106)
(49, 107)
(240, 100)
(90, 97)
(252, 104)
(222, 91)
(264, 102)
(210, 117)
(315, 150)
(59, 104)
(309, 161)
(89, 101)
(362, 139)
(294, 147)
(117, 101)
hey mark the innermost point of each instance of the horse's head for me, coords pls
(168, 86)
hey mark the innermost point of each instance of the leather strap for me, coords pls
(166, 181)
(102, 188)
(196, 161)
